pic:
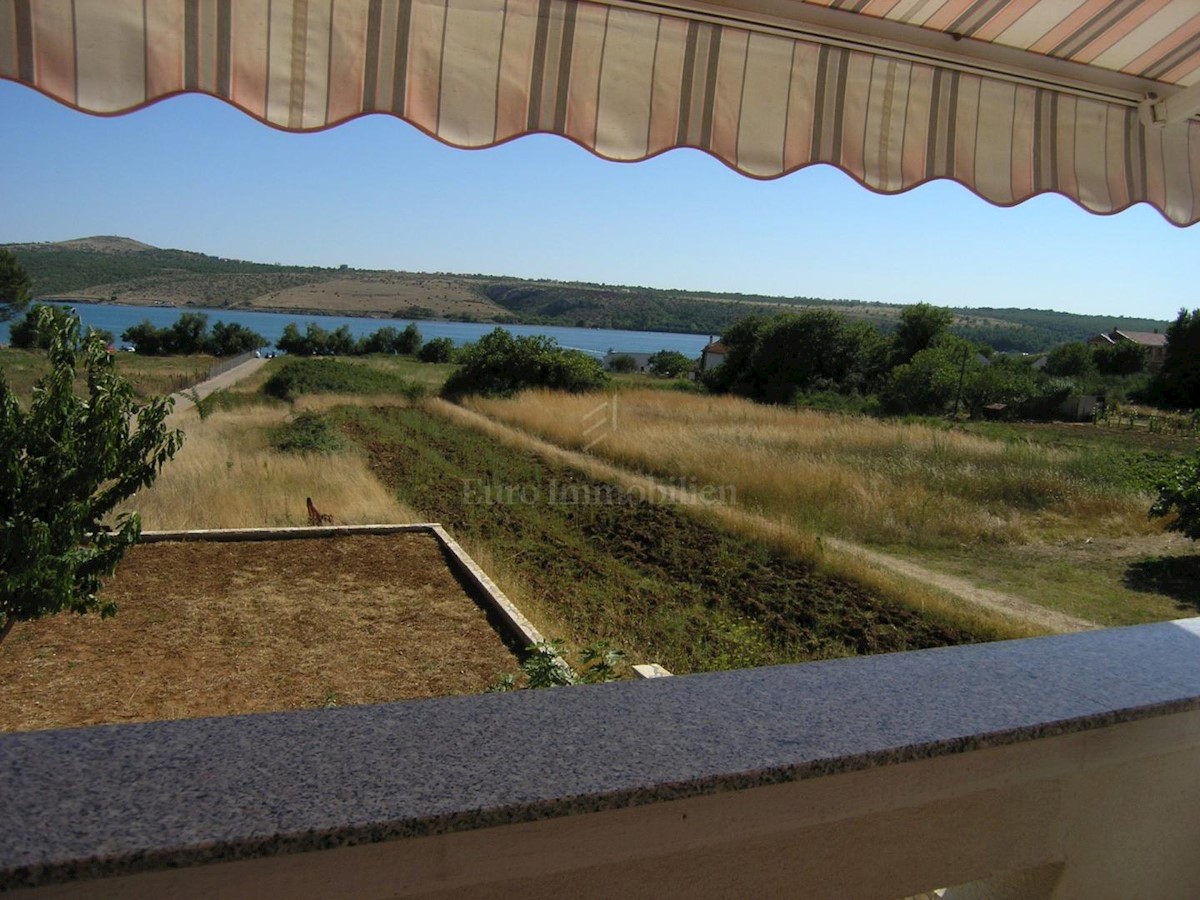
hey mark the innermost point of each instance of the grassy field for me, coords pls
(976, 502)
(151, 376)
(595, 561)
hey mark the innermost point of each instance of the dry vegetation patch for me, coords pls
(216, 628)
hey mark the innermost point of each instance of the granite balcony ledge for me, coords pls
(93, 802)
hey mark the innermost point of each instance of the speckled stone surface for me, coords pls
(120, 799)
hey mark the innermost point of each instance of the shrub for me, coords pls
(1179, 493)
(623, 363)
(438, 350)
(670, 364)
(297, 377)
(500, 365)
(308, 432)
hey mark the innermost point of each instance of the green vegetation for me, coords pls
(923, 369)
(500, 365)
(438, 350)
(670, 364)
(307, 432)
(1179, 494)
(1178, 384)
(58, 270)
(606, 564)
(190, 334)
(15, 285)
(318, 341)
(66, 463)
(295, 377)
(543, 667)
(24, 334)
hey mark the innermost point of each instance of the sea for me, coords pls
(596, 341)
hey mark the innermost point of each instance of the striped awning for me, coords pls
(1093, 99)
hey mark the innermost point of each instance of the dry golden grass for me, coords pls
(870, 480)
(227, 476)
(775, 532)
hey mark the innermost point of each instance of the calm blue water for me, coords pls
(598, 341)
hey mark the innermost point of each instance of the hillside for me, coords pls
(121, 270)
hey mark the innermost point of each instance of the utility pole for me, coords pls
(962, 371)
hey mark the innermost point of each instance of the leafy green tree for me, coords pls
(232, 339)
(409, 341)
(146, 338)
(501, 365)
(187, 335)
(929, 384)
(1070, 360)
(670, 364)
(920, 325)
(341, 342)
(382, 340)
(438, 350)
(1178, 382)
(291, 341)
(15, 285)
(24, 334)
(1008, 379)
(1179, 493)
(65, 464)
(1123, 358)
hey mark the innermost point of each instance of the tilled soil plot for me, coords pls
(652, 578)
(214, 628)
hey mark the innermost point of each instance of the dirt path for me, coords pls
(183, 399)
(993, 601)
(1005, 604)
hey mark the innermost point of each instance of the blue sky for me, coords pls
(195, 174)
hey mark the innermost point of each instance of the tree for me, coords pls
(438, 350)
(232, 339)
(15, 285)
(500, 365)
(146, 338)
(920, 324)
(1121, 358)
(1179, 493)
(1074, 359)
(187, 334)
(65, 465)
(929, 383)
(380, 341)
(1178, 382)
(670, 364)
(623, 364)
(409, 340)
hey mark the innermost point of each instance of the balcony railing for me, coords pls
(1054, 767)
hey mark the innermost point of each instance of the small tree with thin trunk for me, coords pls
(66, 463)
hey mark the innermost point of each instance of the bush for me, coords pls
(1179, 493)
(623, 364)
(438, 350)
(308, 432)
(670, 364)
(500, 365)
(297, 377)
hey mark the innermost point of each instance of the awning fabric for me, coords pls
(1011, 98)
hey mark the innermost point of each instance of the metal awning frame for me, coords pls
(911, 43)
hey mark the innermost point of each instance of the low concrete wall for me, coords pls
(1064, 767)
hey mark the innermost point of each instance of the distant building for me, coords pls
(641, 360)
(713, 356)
(1155, 344)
